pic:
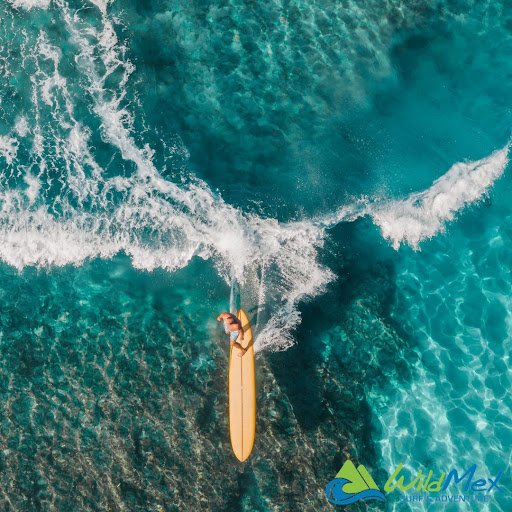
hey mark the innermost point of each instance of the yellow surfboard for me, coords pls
(242, 393)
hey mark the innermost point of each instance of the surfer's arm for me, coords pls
(235, 343)
(241, 331)
(222, 316)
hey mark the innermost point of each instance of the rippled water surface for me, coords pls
(344, 163)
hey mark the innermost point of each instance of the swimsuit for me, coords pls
(233, 335)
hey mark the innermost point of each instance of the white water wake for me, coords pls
(422, 215)
(158, 223)
(30, 4)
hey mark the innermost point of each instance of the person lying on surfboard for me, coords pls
(233, 327)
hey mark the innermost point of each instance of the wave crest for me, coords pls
(65, 207)
(422, 215)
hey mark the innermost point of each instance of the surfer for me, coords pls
(233, 327)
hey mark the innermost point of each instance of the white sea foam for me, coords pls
(8, 148)
(424, 214)
(21, 127)
(156, 222)
(30, 4)
(159, 223)
(34, 185)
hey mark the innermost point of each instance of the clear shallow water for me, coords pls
(141, 143)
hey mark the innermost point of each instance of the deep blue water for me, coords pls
(344, 162)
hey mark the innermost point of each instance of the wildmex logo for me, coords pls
(447, 486)
(352, 484)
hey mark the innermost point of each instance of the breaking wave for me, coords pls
(422, 215)
(65, 207)
(61, 204)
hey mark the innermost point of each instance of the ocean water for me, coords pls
(339, 167)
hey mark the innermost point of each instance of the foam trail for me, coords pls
(30, 4)
(422, 215)
(234, 298)
(91, 212)
(8, 148)
(353, 210)
(65, 207)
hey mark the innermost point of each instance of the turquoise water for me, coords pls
(345, 163)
